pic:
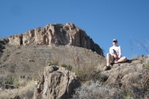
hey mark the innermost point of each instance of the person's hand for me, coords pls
(119, 56)
(115, 56)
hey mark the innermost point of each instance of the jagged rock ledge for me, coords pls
(56, 34)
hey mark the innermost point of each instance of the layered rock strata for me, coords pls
(56, 34)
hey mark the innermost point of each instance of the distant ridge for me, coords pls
(56, 34)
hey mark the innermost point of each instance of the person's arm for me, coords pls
(110, 51)
(113, 53)
(120, 52)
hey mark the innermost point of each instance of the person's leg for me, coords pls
(122, 59)
(109, 59)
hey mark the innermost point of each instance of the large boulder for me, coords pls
(126, 75)
(56, 34)
(57, 83)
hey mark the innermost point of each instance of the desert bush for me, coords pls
(24, 92)
(135, 57)
(38, 74)
(14, 81)
(96, 90)
(86, 73)
(134, 93)
(12, 68)
(93, 90)
(131, 93)
(52, 62)
(10, 81)
(145, 79)
(126, 94)
(68, 67)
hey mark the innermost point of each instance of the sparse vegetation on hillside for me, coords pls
(68, 67)
(87, 73)
(24, 92)
(52, 62)
(97, 90)
(10, 82)
(30, 61)
(145, 79)
(137, 88)
(93, 90)
(84, 73)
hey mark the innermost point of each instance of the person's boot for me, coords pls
(108, 68)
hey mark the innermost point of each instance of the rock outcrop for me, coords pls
(127, 75)
(2, 45)
(122, 81)
(57, 83)
(56, 34)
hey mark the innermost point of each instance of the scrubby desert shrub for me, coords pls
(24, 92)
(12, 68)
(52, 62)
(131, 93)
(96, 90)
(10, 82)
(86, 73)
(93, 90)
(145, 79)
(68, 67)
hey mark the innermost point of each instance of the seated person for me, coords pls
(114, 55)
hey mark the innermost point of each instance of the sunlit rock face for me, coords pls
(56, 34)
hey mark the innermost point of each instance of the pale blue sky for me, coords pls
(103, 20)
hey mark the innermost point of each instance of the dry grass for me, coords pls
(86, 73)
(96, 90)
(146, 77)
(26, 91)
(93, 90)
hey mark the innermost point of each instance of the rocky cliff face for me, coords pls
(56, 34)
(2, 45)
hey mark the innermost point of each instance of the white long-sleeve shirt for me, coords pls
(117, 50)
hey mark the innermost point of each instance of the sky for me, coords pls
(102, 20)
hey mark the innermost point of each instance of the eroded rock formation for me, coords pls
(57, 83)
(56, 34)
(2, 45)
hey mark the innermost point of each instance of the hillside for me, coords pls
(59, 54)
(24, 56)
(64, 44)
(28, 60)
